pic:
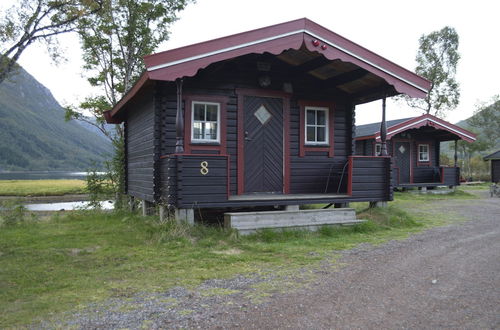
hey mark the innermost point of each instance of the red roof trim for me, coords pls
(427, 120)
(186, 61)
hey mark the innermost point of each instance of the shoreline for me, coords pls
(47, 199)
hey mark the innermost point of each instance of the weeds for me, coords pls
(12, 212)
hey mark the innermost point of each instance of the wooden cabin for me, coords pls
(259, 118)
(495, 166)
(414, 143)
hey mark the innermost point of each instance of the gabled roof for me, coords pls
(372, 131)
(493, 156)
(308, 40)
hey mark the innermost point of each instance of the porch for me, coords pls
(204, 181)
(432, 176)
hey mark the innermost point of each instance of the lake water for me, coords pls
(67, 206)
(43, 175)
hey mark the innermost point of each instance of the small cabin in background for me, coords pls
(414, 144)
(495, 166)
(263, 118)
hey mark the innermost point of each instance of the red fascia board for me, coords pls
(428, 120)
(186, 61)
(109, 115)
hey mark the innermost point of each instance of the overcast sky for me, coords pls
(389, 28)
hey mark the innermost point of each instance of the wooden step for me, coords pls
(249, 222)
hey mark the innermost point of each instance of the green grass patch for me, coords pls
(416, 196)
(41, 187)
(82, 257)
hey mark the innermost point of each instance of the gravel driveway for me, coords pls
(446, 277)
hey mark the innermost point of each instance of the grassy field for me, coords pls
(41, 187)
(68, 261)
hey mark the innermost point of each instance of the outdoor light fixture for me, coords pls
(264, 81)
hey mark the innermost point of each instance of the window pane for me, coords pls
(199, 112)
(321, 117)
(197, 131)
(320, 131)
(311, 134)
(211, 131)
(211, 112)
(311, 120)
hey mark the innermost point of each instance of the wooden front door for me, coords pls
(263, 125)
(402, 155)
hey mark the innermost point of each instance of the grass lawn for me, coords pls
(41, 187)
(59, 264)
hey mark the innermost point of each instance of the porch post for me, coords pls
(455, 156)
(179, 120)
(383, 132)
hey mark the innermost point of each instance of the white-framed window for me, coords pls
(316, 125)
(423, 152)
(205, 122)
(378, 149)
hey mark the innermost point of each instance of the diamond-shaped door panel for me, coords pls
(262, 114)
(402, 149)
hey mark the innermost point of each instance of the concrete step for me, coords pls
(249, 222)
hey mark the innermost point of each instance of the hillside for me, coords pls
(34, 134)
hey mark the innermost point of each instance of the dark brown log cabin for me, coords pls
(414, 144)
(495, 166)
(260, 118)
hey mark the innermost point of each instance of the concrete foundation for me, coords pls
(249, 222)
(147, 208)
(184, 215)
(378, 204)
(163, 210)
(292, 207)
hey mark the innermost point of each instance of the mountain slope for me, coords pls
(34, 134)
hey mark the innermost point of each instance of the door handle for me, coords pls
(246, 136)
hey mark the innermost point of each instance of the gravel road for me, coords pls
(445, 277)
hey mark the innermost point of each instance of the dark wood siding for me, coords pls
(370, 176)
(140, 148)
(450, 176)
(316, 172)
(495, 170)
(196, 180)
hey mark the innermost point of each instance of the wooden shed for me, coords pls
(260, 118)
(414, 143)
(495, 166)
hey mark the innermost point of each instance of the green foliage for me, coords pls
(38, 20)
(114, 41)
(12, 212)
(437, 60)
(486, 119)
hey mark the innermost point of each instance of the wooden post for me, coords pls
(179, 120)
(383, 132)
(455, 156)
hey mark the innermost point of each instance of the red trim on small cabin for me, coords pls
(428, 120)
(189, 146)
(241, 92)
(187, 61)
(429, 144)
(349, 170)
(303, 147)
(411, 157)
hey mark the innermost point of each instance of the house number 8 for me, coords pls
(204, 168)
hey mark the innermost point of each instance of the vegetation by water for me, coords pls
(41, 187)
(53, 265)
